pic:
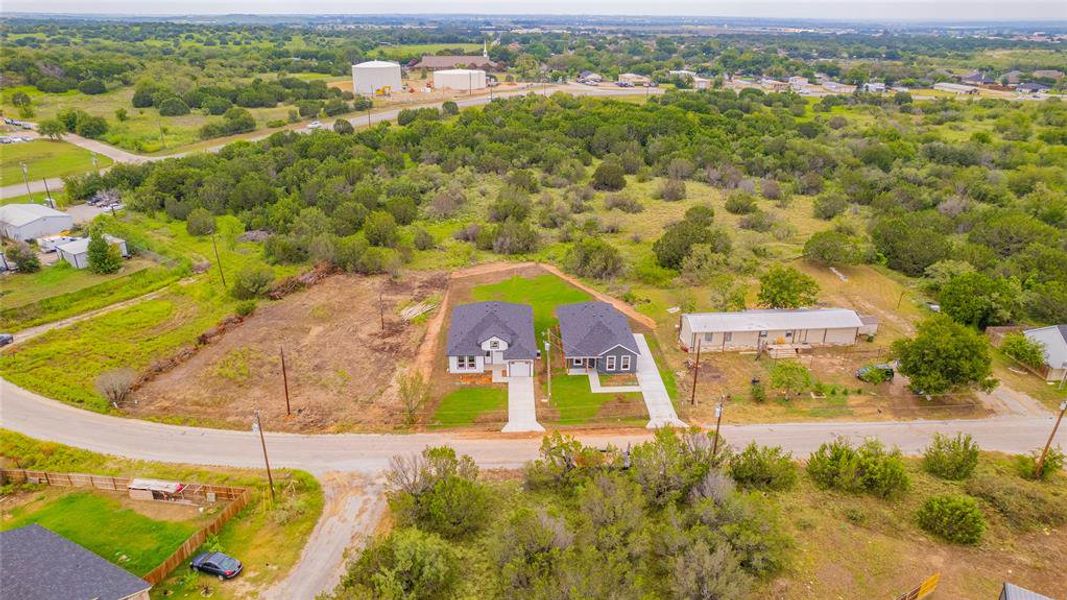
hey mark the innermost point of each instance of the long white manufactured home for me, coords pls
(752, 329)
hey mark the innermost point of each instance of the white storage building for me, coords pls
(371, 77)
(77, 252)
(752, 329)
(31, 221)
(460, 79)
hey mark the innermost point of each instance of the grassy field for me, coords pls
(267, 537)
(100, 523)
(466, 405)
(60, 278)
(543, 293)
(45, 159)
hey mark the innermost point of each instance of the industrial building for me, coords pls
(376, 77)
(22, 222)
(460, 79)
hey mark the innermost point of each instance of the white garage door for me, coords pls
(520, 369)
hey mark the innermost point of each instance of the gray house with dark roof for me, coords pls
(492, 336)
(36, 564)
(596, 335)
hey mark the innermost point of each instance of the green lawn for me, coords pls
(578, 405)
(464, 406)
(101, 524)
(60, 278)
(544, 293)
(44, 159)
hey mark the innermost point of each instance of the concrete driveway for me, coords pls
(660, 410)
(522, 407)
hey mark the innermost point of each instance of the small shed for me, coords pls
(155, 489)
(77, 252)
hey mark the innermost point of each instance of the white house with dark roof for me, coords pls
(492, 336)
(36, 564)
(596, 336)
(754, 329)
(1054, 339)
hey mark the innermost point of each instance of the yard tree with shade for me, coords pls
(944, 356)
(786, 287)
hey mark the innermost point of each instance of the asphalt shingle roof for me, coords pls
(592, 328)
(474, 323)
(36, 564)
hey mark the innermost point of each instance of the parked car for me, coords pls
(875, 373)
(6, 338)
(315, 125)
(218, 564)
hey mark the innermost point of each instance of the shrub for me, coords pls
(951, 458)
(92, 87)
(758, 220)
(764, 468)
(953, 517)
(116, 385)
(450, 108)
(90, 127)
(757, 392)
(423, 240)
(740, 203)
(672, 190)
(24, 257)
(624, 203)
(245, 308)
(200, 221)
(1024, 504)
(595, 258)
(609, 176)
(1026, 464)
(104, 257)
(173, 107)
(1023, 349)
(252, 281)
(343, 126)
(408, 564)
(380, 229)
(791, 377)
(869, 468)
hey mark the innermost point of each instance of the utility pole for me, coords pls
(1044, 453)
(548, 362)
(258, 426)
(718, 422)
(901, 298)
(217, 259)
(696, 373)
(285, 382)
(26, 177)
(47, 193)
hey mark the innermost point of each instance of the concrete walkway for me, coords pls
(596, 388)
(522, 407)
(660, 410)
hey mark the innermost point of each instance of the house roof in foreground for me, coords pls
(774, 320)
(474, 323)
(1054, 337)
(36, 564)
(593, 328)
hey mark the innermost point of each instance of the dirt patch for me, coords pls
(340, 361)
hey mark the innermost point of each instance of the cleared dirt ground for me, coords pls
(342, 367)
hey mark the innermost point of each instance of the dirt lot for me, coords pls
(342, 367)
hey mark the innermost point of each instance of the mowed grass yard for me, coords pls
(45, 159)
(99, 522)
(576, 404)
(544, 293)
(466, 406)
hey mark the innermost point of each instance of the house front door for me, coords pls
(498, 357)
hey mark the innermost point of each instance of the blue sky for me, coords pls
(907, 10)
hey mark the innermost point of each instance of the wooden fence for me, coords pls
(236, 497)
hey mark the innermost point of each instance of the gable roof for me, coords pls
(474, 323)
(453, 61)
(593, 328)
(774, 320)
(37, 564)
(18, 215)
(1054, 337)
(1014, 592)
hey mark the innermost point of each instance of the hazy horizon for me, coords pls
(855, 10)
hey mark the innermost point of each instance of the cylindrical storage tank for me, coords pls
(370, 78)
(460, 79)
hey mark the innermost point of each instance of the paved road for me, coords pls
(33, 415)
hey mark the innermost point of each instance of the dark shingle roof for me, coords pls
(472, 324)
(36, 564)
(592, 328)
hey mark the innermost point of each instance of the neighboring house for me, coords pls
(1031, 88)
(492, 336)
(955, 88)
(874, 87)
(634, 79)
(590, 76)
(754, 329)
(36, 564)
(1013, 77)
(24, 222)
(1054, 339)
(774, 85)
(440, 63)
(77, 252)
(595, 335)
(977, 78)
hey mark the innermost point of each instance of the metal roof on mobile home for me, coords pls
(774, 320)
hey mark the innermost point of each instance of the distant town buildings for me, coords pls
(955, 88)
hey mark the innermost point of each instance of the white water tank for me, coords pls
(372, 77)
(459, 79)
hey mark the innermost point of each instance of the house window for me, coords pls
(466, 362)
(789, 334)
(576, 362)
(610, 365)
(763, 334)
(624, 362)
(494, 345)
(709, 337)
(728, 336)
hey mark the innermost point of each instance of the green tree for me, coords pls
(944, 356)
(979, 300)
(343, 126)
(953, 517)
(1023, 349)
(408, 564)
(380, 229)
(200, 221)
(595, 258)
(832, 248)
(764, 468)
(791, 377)
(104, 257)
(786, 287)
(23, 256)
(609, 175)
(91, 127)
(53, 129)
(252, 281)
